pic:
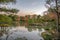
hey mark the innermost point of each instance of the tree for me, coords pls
(7, 1)
(4, 20)
(38, 16)
(55, 5)
(9, 10)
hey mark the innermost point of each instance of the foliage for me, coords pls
(46, 36)
(53, 3)
(30, 21)
(55, 7)
(5, 20)
(7, 1)
(15, 19)
(9, 10)
(5, 9)
(22, 21)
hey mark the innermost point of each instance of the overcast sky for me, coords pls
(35, 6)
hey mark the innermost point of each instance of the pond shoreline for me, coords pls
(24, 32)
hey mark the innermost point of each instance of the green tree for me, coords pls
(7, 1)
(8, 10)
(38, 16)
(5, 20)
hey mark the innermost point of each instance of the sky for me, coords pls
(34, 6)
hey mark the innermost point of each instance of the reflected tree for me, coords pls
(21, 38)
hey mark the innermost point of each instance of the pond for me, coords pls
(23, 33)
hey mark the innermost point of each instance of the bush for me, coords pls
(5, 20)
(46, 36)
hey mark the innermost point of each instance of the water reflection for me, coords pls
(23, 33)
(32, 28)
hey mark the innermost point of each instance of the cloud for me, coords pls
(23, 13)
(34, 3)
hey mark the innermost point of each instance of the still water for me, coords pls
(23, 33)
